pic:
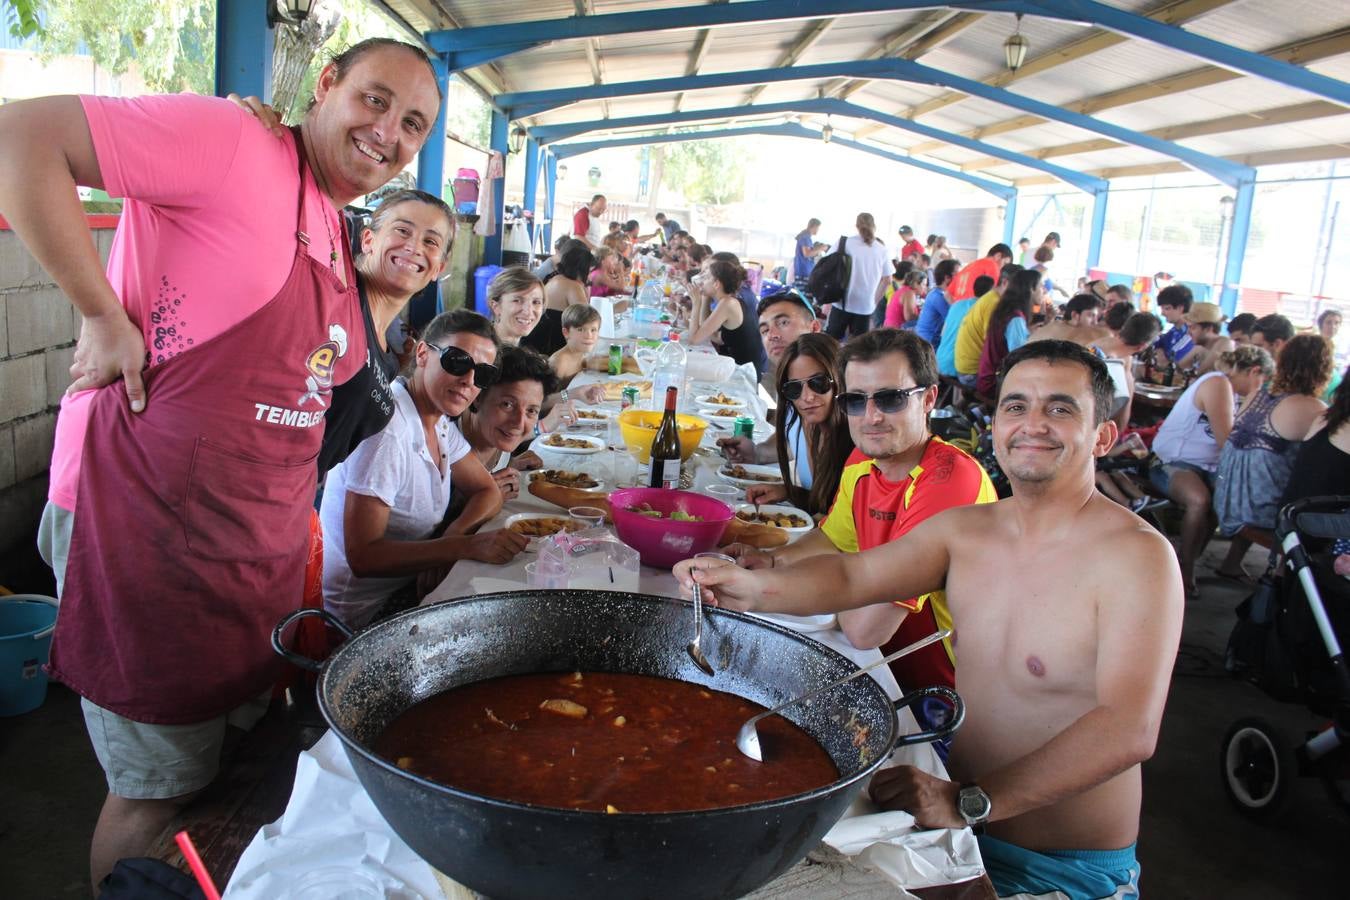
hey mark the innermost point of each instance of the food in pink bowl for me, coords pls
(666, 526)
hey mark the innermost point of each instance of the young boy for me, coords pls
(581, 327)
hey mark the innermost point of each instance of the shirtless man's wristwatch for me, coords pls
(974, 805)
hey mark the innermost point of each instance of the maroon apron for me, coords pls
(191, 529)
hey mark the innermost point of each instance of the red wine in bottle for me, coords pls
(666, 447)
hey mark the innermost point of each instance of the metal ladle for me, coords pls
(695, 649)
(747, 739)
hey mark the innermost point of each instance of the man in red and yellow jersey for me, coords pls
(899, 475)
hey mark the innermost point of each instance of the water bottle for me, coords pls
(671, 363)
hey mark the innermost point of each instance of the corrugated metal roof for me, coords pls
(1128, 82)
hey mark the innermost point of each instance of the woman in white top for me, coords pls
(1189, 440)
(869, 276)
(382, 504)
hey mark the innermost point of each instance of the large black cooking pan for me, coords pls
(514, 850)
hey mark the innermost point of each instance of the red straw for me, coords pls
(194, 862)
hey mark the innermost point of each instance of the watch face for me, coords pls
(973, 803)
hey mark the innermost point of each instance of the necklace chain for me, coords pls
(332, 242)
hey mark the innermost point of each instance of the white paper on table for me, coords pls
(494, 585)
(330, 821)
(889, 844)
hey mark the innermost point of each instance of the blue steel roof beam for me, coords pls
(493, 41)
(546, 134)
(1175, 38)
(543, 31)
(522, 104)
(460, 60)
(563, 151)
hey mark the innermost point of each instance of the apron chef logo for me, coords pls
(319, 365)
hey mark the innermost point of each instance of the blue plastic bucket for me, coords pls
(26, 625)
(482, 277)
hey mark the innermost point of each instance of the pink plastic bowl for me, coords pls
(663, 542)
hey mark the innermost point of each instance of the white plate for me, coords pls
(599, 485)
(754, 470)
(713, 413)
(781, 508)
(602, 422)
(533, 545)
(594, 445)
(707, 400)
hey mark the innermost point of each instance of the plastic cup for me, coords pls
(1133, 444)
(727, 493)
(545, 578)
(335, 883)
(588, 516)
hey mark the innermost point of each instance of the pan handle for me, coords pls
(946, 731)
(291, 656)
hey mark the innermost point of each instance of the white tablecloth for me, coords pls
(469, 577)
(330, 821)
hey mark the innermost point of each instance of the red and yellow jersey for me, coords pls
(870, 510)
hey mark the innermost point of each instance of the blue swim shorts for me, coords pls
(1060, 874)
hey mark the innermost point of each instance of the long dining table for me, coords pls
(330, 821)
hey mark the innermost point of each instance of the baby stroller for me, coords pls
(1287, 643)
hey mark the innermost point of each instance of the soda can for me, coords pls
(744, 427)
(615, 359)
(630, 398)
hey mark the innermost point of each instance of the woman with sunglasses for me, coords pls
(811, 439)
(1008, 326)
(812, 431)
(383, 503)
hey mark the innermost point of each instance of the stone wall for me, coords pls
(38, 328)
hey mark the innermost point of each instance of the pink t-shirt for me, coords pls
(207, 233)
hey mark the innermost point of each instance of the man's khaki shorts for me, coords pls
(156, 762)
(145, 762)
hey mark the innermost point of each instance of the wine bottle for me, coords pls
(666, 447)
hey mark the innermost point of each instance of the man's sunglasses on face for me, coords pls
(820, 383)
(888, 400)
(458, 363)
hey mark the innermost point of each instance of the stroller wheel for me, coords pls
(1258, 768)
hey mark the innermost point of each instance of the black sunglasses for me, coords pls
(819, 383)
(458, 363)
(889, 400)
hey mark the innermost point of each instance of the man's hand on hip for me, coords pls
(110, 347)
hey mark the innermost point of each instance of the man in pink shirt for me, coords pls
(206, 359)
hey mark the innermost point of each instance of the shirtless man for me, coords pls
(1065, 656)
(1203, 322)
(1078, 324)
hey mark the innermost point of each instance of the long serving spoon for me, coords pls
(747, 739)
(695, 649)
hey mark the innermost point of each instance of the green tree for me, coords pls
(21, 17)
(172, 43)
(706, 171)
